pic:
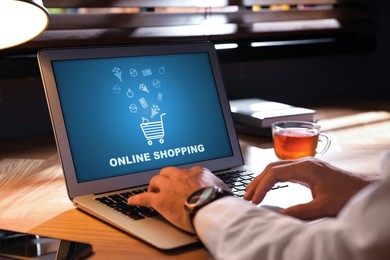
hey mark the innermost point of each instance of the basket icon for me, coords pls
(153, 130)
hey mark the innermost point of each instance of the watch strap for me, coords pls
(220, 193)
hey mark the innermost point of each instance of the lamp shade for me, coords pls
(21, 21)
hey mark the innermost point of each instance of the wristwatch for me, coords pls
(202, 197)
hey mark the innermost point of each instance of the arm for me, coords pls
(331, 188)
(233, 228)
(359, 232)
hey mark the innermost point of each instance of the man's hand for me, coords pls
(170, 189)
(331, 187)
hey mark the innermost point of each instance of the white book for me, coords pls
(262, 113)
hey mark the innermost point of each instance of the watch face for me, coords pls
(200, 196)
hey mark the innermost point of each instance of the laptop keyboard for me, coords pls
(118, 202)
(235, 180)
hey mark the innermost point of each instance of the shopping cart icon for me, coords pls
(153, 130)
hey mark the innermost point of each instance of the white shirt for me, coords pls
(232, 228)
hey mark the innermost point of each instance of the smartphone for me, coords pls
(16, 245)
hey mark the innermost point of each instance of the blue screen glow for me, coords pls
(132, 114)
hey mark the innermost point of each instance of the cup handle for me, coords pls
(327, 145)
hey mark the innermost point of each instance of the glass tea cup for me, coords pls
(298, 139)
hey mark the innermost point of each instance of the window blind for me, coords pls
(91, 22)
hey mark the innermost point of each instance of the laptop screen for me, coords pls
(125, 115)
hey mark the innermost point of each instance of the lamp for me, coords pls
(21, 21)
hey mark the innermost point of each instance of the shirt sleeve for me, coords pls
(232, 228)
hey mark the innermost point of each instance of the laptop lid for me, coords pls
(121, 113)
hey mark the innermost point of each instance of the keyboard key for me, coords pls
(136, 216)
(239, 193)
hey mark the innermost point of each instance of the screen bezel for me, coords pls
(75, 188)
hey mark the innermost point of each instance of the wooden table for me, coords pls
(33, 195)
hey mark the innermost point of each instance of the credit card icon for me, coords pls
(147, 72)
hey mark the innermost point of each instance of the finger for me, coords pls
(144, 199)
(260, 191)
(281, 171)
(295, 171)
(259, 187)
(251, 187)
(166, 171)
(258, 178)
(256, 184)
(267, 169)
(157, 183)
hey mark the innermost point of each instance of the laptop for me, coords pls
(122, 113)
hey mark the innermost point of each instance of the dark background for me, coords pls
(300, 75)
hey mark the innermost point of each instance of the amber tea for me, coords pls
(295, 139)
